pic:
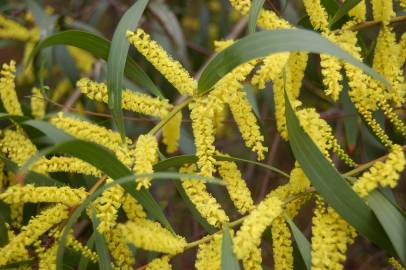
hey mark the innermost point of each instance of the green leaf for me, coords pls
(254, 13)
(350, 122)
(302, 243)
(54, 134)
(102, 250)
(252, 99)
(123, 181)
(343, 10)
(331, 185)
(99, 47)
(228, 259)
(265, 43)
(392, 220)
(67, 64)
(117, 59)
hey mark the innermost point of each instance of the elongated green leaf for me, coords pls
(252, 99)
(117, 59)
(331, 185)
(343, 10)
(54, 134)
(228, 259)
(254, 13)
(392, 220)
(302, 243)
(269, 42)
(67, 64)
(107, 162)
(99, 47)
(101, 247)
(350, 122)
(123, 181)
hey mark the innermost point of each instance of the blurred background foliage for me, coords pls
(187, 30)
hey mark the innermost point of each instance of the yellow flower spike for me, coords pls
(3, 179)
(202, 113)
(159, 264)
(151, 236)
(220, 45)
(171, 133)
(79, 247)
(254, 260)
(220, 115)
(382, 10)
(330, 69)
(47, 259)
(384, 174)
(248, 237)
(266, 19)
(61, 89)
(331, 236)
(209, 254)
(393, 117)
(91, 132)
(84, 60)
(317, 14)
(16, 146)
(132, 208)
(7, 89)
(16, 214)
(36, 227)
(171, 69)
(282, 245)
(294, 73)
(38, 104)
(146, 155)
(358, 13)
(107, 206)
(10, 29)
(67, 164)
(131, 100)
(18, 194)
(205, 203)
(392, 261)
(236, 186)
(246, 121)
(402, 44)
(387, 62)
(119, 249)
(271, 67)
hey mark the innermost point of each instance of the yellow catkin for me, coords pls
(209, 254)
(201, 114)
(132, 208)
(61, 89)
(16, 214)
(317, 14)
(254, 260)
(30, 233)
(330, 69)
(151, 236)
(87, 131)
(282, 245)
(7, 89)
(236, 186)
(16, 146)
(3, 179)
(67, 164)
(79, 247)
(248, 237)
(382, 10)
(205, 203)
(107, 206)
(38, 104)
(159, 264)
(119, 249)
(171, 133)
(171, 69)
(10, 29)
(246, 121)
(331, 236)
(131, 100)
(84, 60)
(392, 261)
(28, 193)
(358, 13)
(47, 259)
(270, 69)
(294, 73)
(146, 155)
(387, 62)
(266, 19)
(385, 174)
